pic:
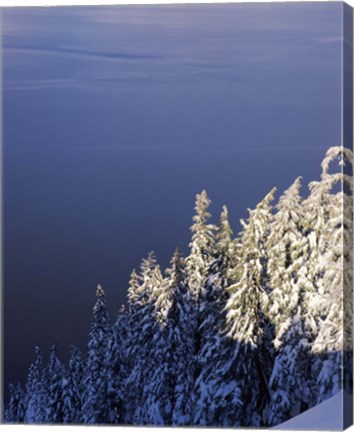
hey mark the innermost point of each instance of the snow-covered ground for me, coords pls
(326, 416)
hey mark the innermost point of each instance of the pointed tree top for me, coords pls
(148, 264)
(297, 183)
(176, 260)
(151, 256)
(224, 219)
(268, 198)
(338, 152)
(134, 278)
(202, 202)
(224, 212)
(99, 291)
(264, 204)
(293, 192)
(202, 198)
(225, 232)
(201, 215)
(73, 349)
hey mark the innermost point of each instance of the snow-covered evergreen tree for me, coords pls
(336, 260)
(288, 381)
(181, 327)
(73, 388)
(96, 406)
(36, 391)
(55, 374)
(210, 395)
(202, 256)
(142, 328)
(285, 247)
(160, 398)
(226, 249)
(158, 391)
(291, 287)
(134, 290)
(160, 290)
(202, 246)
(212, 350)
(323, 211)
(245, 320)
(117, 372)
(16, 408)
(211, 318)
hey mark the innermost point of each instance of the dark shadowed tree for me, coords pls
(96, 407)
(73, 388)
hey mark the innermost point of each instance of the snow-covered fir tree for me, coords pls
(97, 405)
(181, 335)
(335, 266)
(134, 290)
(160, 399)
(291, 290)
(118, 369)
(159, 388)
(212, 318)
(285, 245)
(160, 289)
(36, 391)
(212, 350)
(142, 328)
(55, 375)
(244, 372)
(73, 388)
(288, 382)
(200, 284)
(16, 408)
(226, 246)
(202, 246)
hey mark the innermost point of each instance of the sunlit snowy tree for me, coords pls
(245, 320)
(226, 246)
(202, 246)
(142, 328)
(334, 339)
(285, 246)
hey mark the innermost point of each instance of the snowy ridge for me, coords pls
(325, 416)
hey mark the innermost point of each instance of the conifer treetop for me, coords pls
(224, 234)
(99, 291)
(341, 153)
